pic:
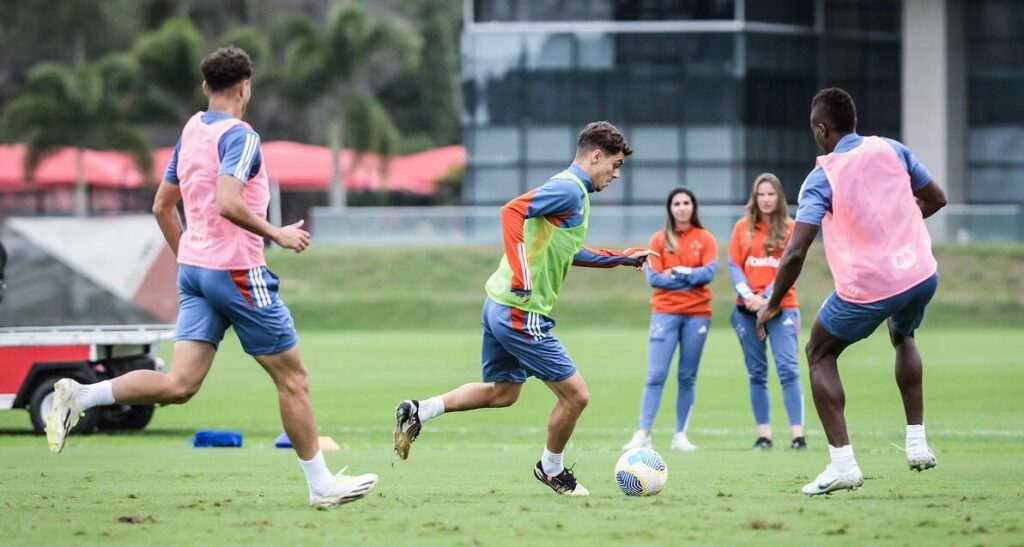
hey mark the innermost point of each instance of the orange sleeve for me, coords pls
(656, 244)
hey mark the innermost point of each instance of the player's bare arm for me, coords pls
(232, 206)
(165, 209)
(930, 198)
(789, 270)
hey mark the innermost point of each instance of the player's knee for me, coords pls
(579, 400)
(504, 398)
(182, 390)
(295, 381)
(814, 352)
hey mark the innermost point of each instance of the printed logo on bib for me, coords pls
(903, 258)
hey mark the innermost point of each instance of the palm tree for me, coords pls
(169, 60)
(84, 107)
(336, 68)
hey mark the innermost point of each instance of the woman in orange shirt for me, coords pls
(754, 252)
(680, 312)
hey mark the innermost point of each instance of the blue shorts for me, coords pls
(213, 300)
(852, 322)
(519, 344)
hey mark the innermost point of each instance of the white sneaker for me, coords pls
(640, 440)
(345, 489)
(64, 413)
(681, 443)
(831, 480)
(920, 457)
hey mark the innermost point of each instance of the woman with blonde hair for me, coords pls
(679, 271)
(754, 252)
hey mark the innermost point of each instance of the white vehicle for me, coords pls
(33, 358)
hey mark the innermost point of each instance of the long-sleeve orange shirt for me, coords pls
(752, 269)
(683, 291)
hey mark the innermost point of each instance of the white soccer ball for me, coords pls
(641, 472)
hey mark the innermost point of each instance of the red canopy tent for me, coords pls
(299, 167)
(102, 168)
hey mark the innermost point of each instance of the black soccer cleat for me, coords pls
(563, 483)
(798, 444)
(407, 426)
(763, 443)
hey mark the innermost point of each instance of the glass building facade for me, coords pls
(994, 32)
(709, 93)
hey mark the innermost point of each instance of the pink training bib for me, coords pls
(876, 241)
(210, 240)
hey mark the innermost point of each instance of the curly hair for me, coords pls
(226, 67)
(605, 136)
(837, 107)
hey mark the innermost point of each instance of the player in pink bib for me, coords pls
(869, 196)
(218, 174)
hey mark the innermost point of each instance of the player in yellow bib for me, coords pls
(543, 233)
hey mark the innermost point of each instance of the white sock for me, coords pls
(915, 436)
(551, 463)
(431, 408)
(318, 477)
(842, 458)
(98, 394)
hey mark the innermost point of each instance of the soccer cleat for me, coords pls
(763, 443)
(346, 489)
(641, 439)
(798, 444)
(681, 443)
(64, 413)
(831, 480)
(921, 457)
(563, 483)
(407, 426)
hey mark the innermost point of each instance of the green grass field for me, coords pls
(468, 480)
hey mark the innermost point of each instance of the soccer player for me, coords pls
(870, 196)
(217, 171)
(684, 263)
(543, 234)
(754, 251)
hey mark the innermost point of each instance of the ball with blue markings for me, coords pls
(641, 472)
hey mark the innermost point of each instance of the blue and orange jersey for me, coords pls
(752, 269)
(683, 291)
(560, 202)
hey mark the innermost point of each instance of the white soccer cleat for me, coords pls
(640, 439)
(921, 457)
(345, 489)
(64, 414)
(831, 480)
(681, 443)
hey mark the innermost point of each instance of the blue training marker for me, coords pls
(282, 441)
(211, 438)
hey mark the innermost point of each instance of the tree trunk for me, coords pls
(81, 191)
(336, 132)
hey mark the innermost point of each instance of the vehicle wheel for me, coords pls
(124, 417)
(41, 401)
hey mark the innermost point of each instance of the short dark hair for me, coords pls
(837, 107)
(226, 67)
(605, 136)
